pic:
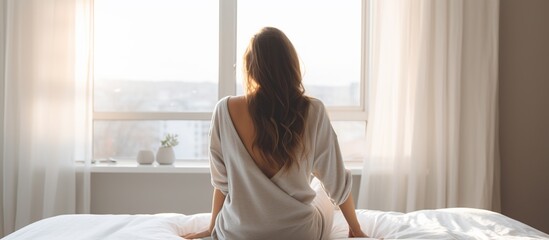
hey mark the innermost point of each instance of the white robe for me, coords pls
(284, 206)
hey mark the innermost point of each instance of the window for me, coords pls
(161, 65)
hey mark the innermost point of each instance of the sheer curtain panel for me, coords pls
(45, 109)
(431, 137)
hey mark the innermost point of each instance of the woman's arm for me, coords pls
(217, 204)
(348, 210)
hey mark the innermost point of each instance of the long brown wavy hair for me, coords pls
(276, 99)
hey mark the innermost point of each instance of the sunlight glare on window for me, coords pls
(156, 55)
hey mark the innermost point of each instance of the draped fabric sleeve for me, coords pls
(218, 169)
(328, 164)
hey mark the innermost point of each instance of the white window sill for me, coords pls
(180, 166)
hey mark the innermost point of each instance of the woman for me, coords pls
(264, 149)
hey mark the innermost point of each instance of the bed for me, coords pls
(449, 223)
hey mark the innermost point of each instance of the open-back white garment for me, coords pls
(284, 206)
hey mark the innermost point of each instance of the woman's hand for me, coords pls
(202, 234)
(348, 210)
(217, 204)
(356, 233)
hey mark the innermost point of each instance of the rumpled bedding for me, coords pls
(449, 223)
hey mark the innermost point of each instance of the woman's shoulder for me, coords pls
(317, 111)
(220, 108)
(316, 104)
(230, 103)
(222, 103)
(223, 100)
(230, 98)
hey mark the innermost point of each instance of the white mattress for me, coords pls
(452, 223)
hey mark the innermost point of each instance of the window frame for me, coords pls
(227, 74)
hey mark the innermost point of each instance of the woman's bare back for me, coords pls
(242, 121)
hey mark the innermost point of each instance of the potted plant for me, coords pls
(165, 154)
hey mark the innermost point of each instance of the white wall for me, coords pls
(134, 193)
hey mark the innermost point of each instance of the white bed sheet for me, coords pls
(451, 223)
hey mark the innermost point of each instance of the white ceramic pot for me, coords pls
(145, 157)
(165, 155)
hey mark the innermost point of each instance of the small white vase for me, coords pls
(165, 156)
(145, 157)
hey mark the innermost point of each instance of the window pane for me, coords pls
(352, 139)
(326, 35)
(124, 139)
(156, 55)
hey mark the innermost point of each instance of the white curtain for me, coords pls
(431, 136)
(46, 114)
